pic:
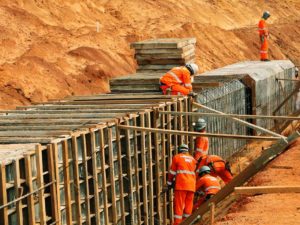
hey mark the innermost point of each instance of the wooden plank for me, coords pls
(157, 67)
(66, 164)
(165, 50)
(120, 96)
(30, 198)
(56, 128)
(95, 177)
(56, 121)
(77, 111)
(135, 88)
(177, 62)
(230, 136)
(266, 190)
(164, 170)
(189, 55)
(52, 178)
(241, 178)
(3, 195)
(40, 182)
(103, 106)
(163, 43)
(20, 140)
(54, 150)
(61, 116)
(18, 192)
(240, 121)
(197, 114)
(30, 133)
(76, 180)
(108, 101)
(212, 214)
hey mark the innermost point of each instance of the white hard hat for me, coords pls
(200, 124)
(192, 67)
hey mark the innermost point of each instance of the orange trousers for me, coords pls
(183, 205)
(264, 49)
(223, 173)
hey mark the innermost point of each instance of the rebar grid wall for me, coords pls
(99, 175)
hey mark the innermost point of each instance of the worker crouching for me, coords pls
(218, 166)
(182, 172)
(178, 81)
(206, 186)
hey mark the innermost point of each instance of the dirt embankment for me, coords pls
(276, 209)
(50, 49)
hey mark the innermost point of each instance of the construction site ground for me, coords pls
(267, 209)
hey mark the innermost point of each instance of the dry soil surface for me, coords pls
(50, 49)
(270, 209)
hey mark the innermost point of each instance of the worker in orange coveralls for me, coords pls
(201, 143)
(179, 80)
(182, 172)
(219, 167)
(206, 186)
(263, 36)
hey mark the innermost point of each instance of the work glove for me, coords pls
(192, 94)
(168, 187)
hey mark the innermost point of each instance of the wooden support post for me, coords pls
(76, 180)
(120, 165)
(86, 180)
(103, 171)
(54, 150)
(170, 132)
(3, 196)
(144, 171)
(112, 177)
(241, 121)
(17, 185)
(40, 181)
(266, 190)
(95, 177)
(52, 178)
(66, 165)
(191, 138)
(150, 169)
(212, 213)
(30, 199)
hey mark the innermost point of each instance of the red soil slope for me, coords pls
(50, 49)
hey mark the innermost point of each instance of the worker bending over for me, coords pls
(263, 36)
(206, 186)
(179, 80)
(218, 166)
(201, 143)
(182, 172)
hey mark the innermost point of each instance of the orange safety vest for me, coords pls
(202, 146)
(262, 28)
(178, 79)
(208, 184)
(183, 168)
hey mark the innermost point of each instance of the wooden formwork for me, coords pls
(87, 171)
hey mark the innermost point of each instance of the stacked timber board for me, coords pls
(70, 163)
(160, 55)
(149, 83)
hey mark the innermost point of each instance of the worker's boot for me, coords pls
(265, 60)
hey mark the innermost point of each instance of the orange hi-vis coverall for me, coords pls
(178, 79)
(219, 168)
(183, 170)
(206, 186)
(202, 146)
(263, 36)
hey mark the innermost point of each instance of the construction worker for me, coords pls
(263, 36)
(182, 172)
(206, 186)
(201, 143)
(179, 80)
(219, 167)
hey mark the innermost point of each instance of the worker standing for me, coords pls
(263, 36)
(182, 172)
(201, 143)
(179, 80)
(219, 167)
(206, 186)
